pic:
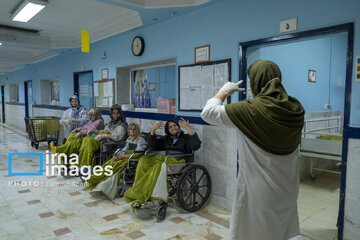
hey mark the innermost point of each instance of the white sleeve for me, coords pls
(66, 115)
(214, 113)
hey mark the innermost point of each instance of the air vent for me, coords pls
(18, 29)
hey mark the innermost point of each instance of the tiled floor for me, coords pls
(39, 207)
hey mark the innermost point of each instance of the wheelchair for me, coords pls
(189, 185)
(107, 148)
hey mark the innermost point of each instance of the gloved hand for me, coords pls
(229, 88)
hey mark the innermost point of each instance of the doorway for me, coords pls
(28, 98)
(3, 103)
(83, 88)
(340, 97)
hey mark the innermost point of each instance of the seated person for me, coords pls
(115, 130)
(73, 117)
(74, 141)
(149, 167)
(135, 142)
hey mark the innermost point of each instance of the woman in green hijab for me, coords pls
(268, 134)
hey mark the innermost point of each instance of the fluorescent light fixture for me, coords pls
(27, 10)
(0, 43)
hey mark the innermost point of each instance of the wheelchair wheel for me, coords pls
(194, 188)
(161, 212)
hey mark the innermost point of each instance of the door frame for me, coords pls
(26, 97)
(3, 102)
(349, 29)
(76, 82)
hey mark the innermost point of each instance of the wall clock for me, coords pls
(138, 46)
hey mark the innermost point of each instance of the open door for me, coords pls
(83, 88)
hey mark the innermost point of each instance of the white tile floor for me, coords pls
(40, 207)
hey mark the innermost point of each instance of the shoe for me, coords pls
(53, 148)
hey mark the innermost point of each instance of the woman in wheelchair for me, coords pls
(135, 142)
(115, 130)
(149, 167)
(74, 142)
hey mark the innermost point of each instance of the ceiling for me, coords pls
(57, 27)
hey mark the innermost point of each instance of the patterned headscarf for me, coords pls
(120, 121)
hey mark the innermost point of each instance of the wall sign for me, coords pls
(358, 68)
(312, 76)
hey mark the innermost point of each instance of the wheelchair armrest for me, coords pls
(140, 152)
(178, 153)
(189, 157)
(110, 145)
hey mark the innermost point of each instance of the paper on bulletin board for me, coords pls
(96, 89)
(110, 101)
(105, 102)
(98, 101)
(190, 77)
(189, 98)
(101, 90)
(84, 90)
(108, 89)
(221, 74)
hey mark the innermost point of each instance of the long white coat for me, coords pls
(265, 200)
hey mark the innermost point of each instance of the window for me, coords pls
(149, 84)
(141, 85)
(50, 92)
(14, 93)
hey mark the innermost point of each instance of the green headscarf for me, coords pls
(273, 120)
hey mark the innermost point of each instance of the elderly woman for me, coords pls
(115, 130)
(268, 134)
(74, 141)
(135, 142)
(148, 169)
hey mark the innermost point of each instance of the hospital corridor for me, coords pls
(179, 120)
(40, 207)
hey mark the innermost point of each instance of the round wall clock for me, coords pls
(138, 46)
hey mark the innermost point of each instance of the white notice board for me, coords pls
(199, 82)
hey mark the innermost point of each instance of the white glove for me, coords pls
(229, 88)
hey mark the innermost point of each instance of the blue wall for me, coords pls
(222, 25)
(325, 55)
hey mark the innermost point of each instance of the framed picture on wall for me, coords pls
(312, 76)
(104, 73)
(202, 54)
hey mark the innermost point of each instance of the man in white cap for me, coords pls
(73, 117)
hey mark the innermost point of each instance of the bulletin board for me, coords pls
(104, 93)
(199, 82)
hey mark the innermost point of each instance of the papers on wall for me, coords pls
(198, 83)
(84, 90)
(104, 93)
(96, 89)
(108, 89)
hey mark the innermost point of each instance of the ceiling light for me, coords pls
(0, 43)
(28, 9)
